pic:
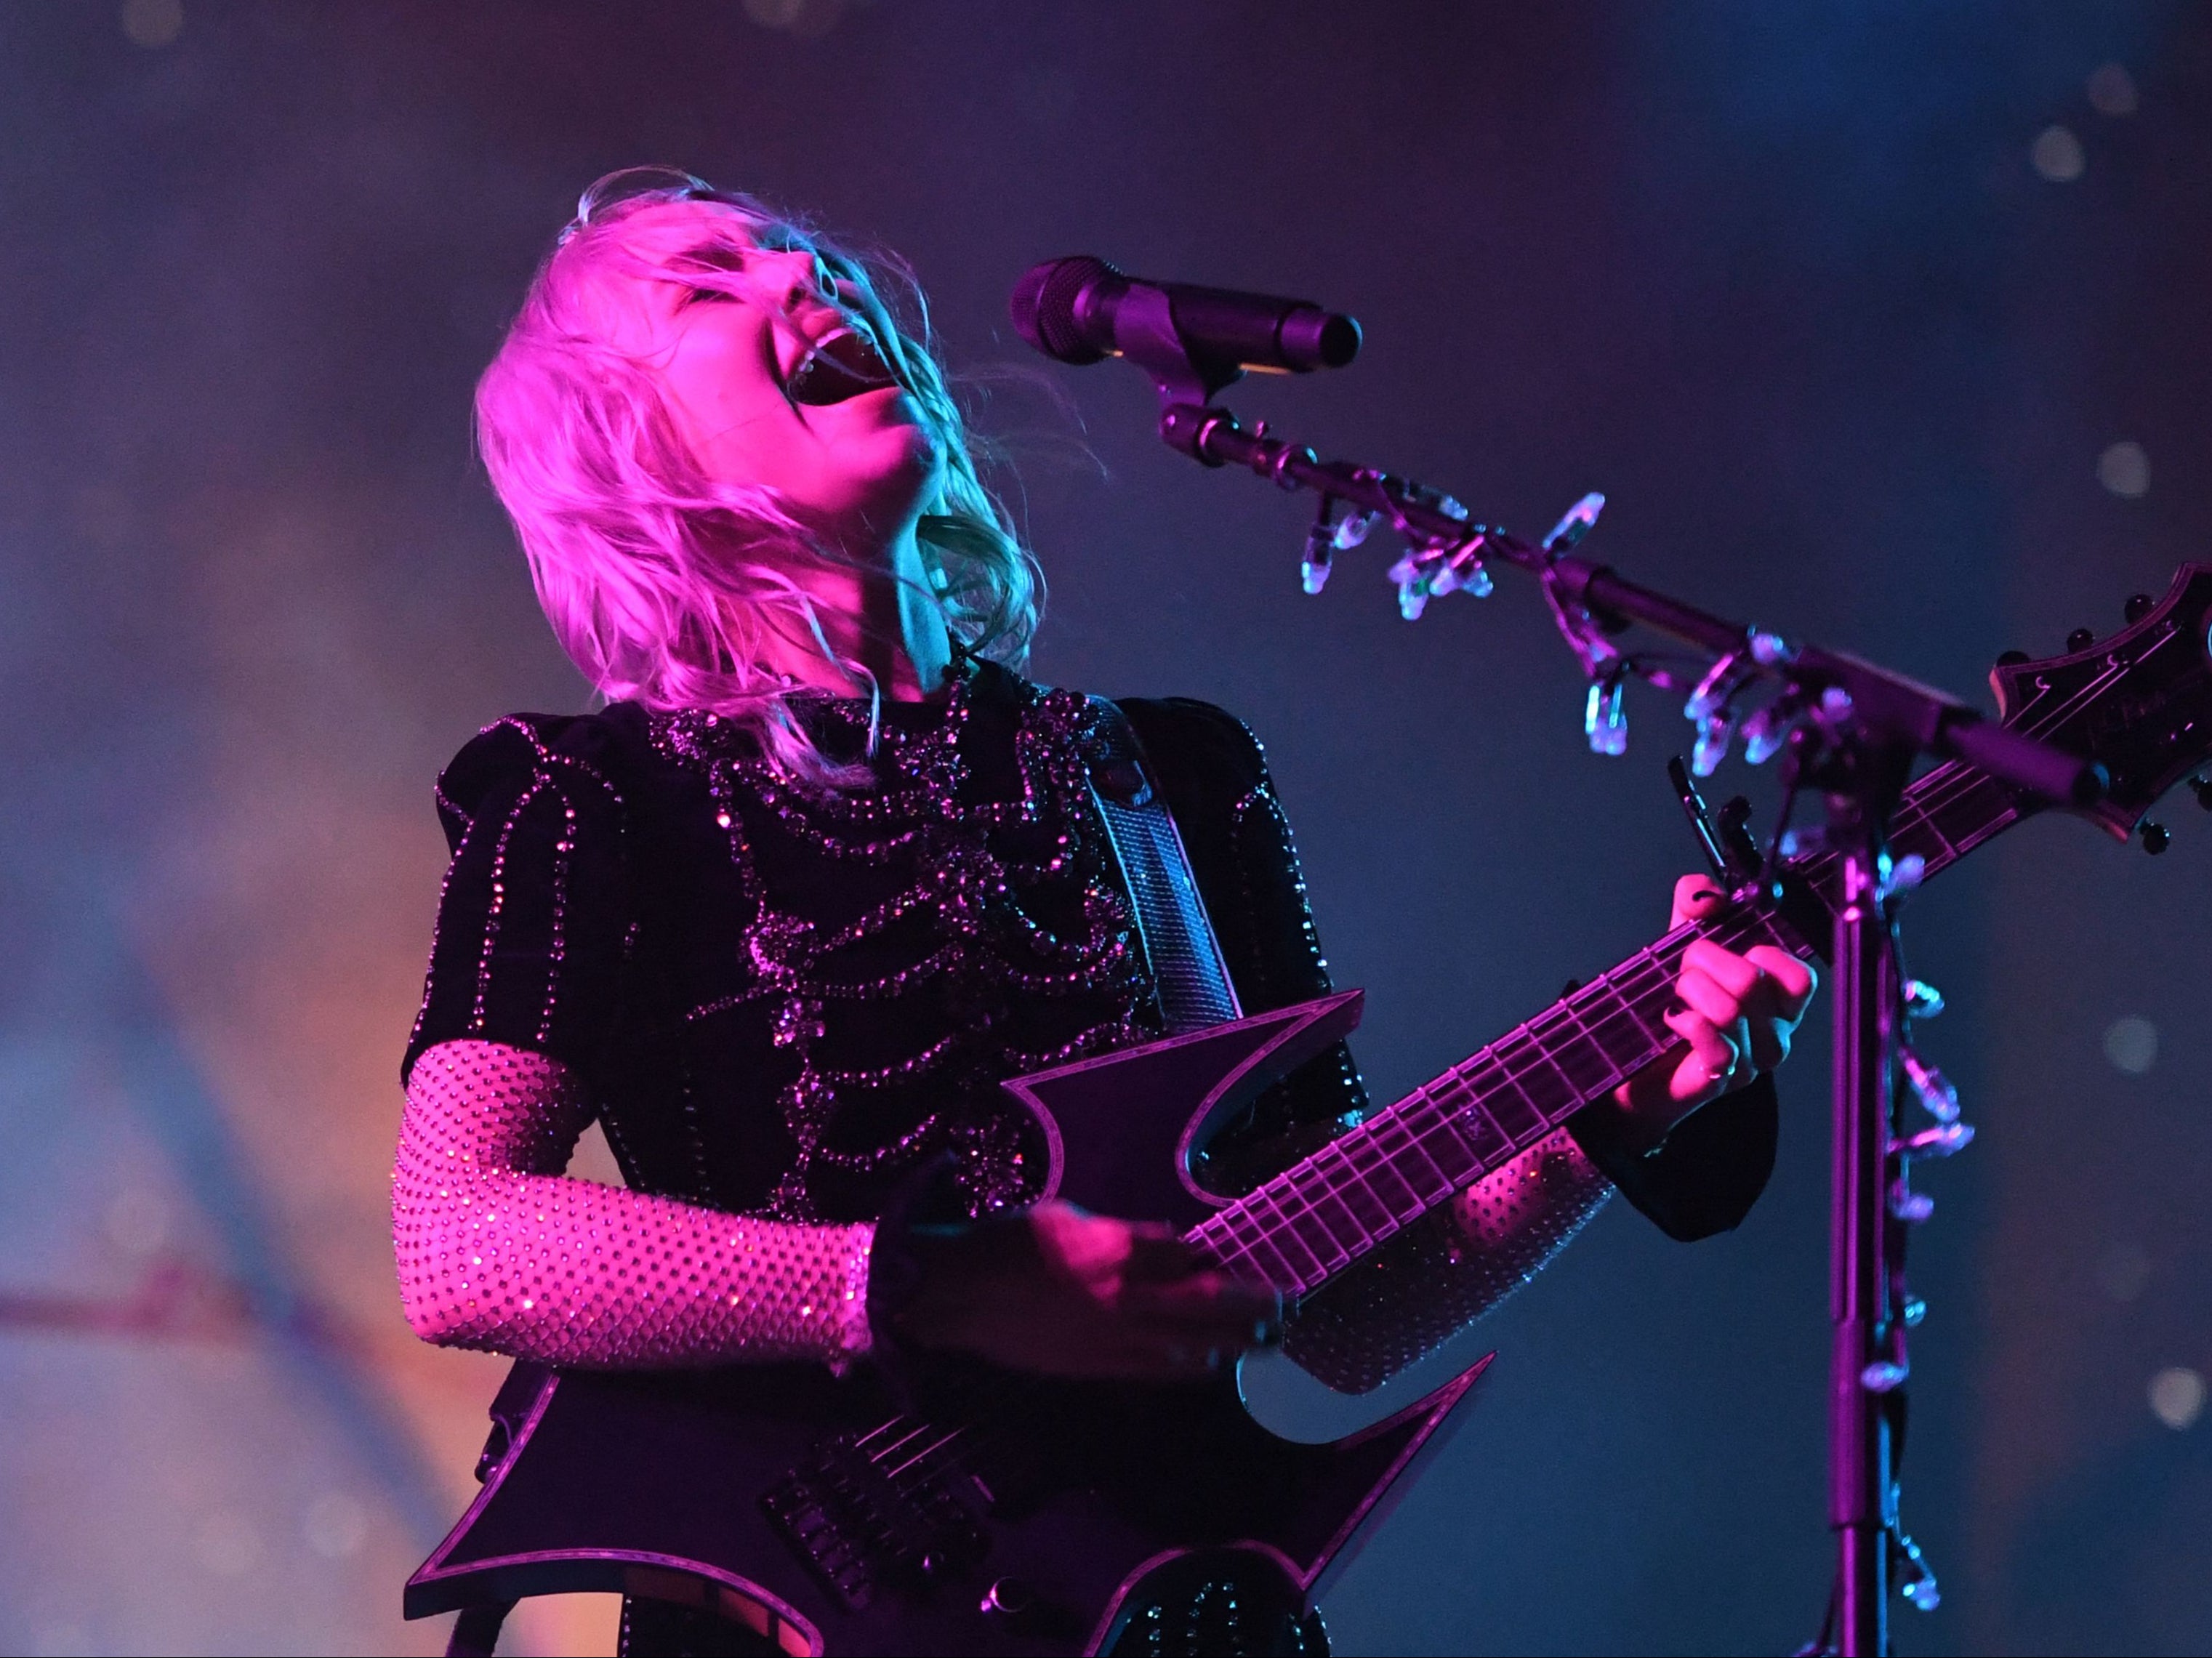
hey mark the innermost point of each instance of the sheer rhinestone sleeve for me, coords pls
(499, 1250)
(1444, 1272)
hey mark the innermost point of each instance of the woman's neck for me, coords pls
(883, 619)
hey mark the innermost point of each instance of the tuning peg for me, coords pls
(2011, 659)
(2138, 607)
(2080, 639)
(2154, 838)
(2203, 785)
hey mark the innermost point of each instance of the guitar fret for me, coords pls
(1440, 1141)
(1216, 1237)
(1486, 1143)
(1295, 1223)
(1642, 1041)
(1508, 1104)
(1366, 1208)
(1302, 1227)
(1287, 1238)
(1381, 1176)
(1273, 1266)
(1401, 1156)
(1315, 1219)
(1581, 1060)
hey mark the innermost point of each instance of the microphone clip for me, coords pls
(1187, 381)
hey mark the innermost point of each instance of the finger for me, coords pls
(1083, 1246)
(1795, 981)
(1709, 999)
(1707, 1070)
(1157, 1256)
(1770, 1042)
(1650, 1094)
(1735, 973)
(1695, 898)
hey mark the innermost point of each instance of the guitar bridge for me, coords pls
(865, 1510)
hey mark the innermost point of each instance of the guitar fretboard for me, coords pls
(1319, 1216)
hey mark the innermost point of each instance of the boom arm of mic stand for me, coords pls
(1868, 725)
(1888, 706)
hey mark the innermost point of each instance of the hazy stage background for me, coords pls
(1886, 324)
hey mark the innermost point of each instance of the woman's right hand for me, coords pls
(1059, 1291)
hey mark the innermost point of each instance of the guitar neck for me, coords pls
(1318, 1216)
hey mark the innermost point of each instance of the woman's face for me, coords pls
(772, 382)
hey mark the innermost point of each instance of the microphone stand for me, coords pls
(1845, 726)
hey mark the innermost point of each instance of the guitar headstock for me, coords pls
(2139, 702)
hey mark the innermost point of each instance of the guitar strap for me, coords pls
(1188, 974)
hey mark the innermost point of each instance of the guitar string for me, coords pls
(1945, 787)
(1938, 792)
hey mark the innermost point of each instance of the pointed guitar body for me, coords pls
(994, 1515)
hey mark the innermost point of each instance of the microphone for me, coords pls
(1080, 309)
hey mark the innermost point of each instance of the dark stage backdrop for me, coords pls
(1882, 323)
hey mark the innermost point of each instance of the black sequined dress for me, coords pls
(785, 997)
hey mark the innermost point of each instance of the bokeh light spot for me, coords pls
(2112, 90)
(2124, 469)
(153, 23)
(808, 19)
(2056, 154)
(2177, 1396)
(335, 1526)
(2132, 1044)
(2121, 1271)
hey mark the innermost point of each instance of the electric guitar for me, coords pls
(1008, 1515)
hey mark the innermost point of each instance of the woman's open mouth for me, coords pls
(843, 363)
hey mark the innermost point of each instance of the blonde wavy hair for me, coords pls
(630, 544)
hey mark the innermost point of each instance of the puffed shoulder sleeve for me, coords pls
(535, 918)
